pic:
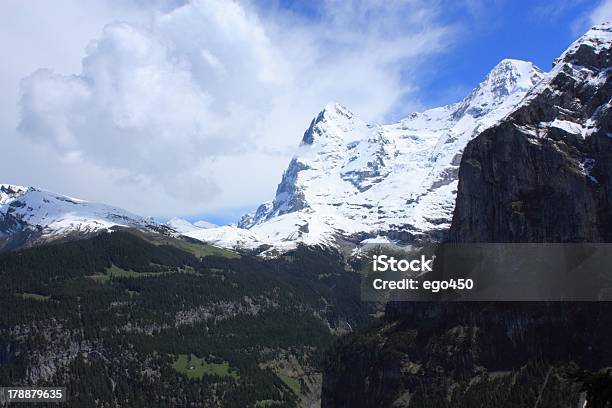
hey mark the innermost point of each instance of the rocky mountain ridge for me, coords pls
(353, 181)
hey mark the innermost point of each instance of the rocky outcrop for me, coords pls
(544, 173)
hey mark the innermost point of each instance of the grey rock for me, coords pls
(529, 180)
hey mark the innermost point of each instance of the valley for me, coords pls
(123, 320)
(125, 310)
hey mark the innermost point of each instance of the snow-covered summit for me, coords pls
(501, 86)
(335, 115)
(182, 226)
(29, 215)
(350, 180)
(584, 68)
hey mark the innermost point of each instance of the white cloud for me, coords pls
(602, 13)
(197, 108)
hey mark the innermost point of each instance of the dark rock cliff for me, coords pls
(469, 354)
(543, 174)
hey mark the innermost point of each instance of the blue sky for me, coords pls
(527, 30)
(194, 108)
(487, 32)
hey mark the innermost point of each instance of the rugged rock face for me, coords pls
(466, 355)
(544, 173)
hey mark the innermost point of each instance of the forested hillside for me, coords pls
(131, 319)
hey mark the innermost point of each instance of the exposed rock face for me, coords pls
(468, 354)
(544, 173)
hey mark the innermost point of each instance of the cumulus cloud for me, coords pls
(199, 106)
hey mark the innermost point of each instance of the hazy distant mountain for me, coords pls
(181, 225)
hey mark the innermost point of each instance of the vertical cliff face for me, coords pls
(440, 355)
(543, 174)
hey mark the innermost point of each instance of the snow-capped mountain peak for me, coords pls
(509, 77)
(334, 124)
(351, 180)
(29, 215)
(182, 226)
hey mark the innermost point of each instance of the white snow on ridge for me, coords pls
(183, 226)
(598, 37)
(227, 237)
(53, 215)
(9, 192)
(350, 177)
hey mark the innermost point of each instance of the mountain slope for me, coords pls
(116, 313)
(542, 174)
(351, 180)
(548, 165)
(29, 216)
